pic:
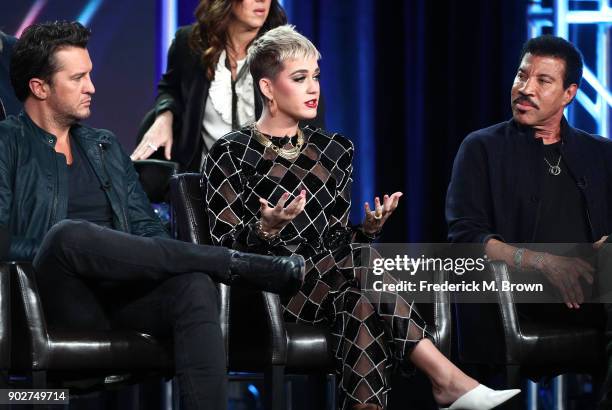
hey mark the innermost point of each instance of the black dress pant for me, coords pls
(92, 277)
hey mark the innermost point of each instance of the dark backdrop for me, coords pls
(123, 50)
(405, 80)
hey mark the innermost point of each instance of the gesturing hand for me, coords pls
(374, 220)
(564, 273)
(273, 219)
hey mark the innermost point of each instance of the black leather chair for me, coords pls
(496, 336)
(154, 176)
(257, 338)
(56, 356)
(60, 357)
(5, 319)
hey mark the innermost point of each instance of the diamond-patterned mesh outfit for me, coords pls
(369, 336)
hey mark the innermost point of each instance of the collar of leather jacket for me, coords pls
(77, 130)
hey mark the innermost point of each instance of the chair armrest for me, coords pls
(29, 328)
(507, 310)
(487, 332)
(276, 327)
(154, 176)
(442, 315)
(5, 315)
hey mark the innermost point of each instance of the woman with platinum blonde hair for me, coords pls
(275, 188)
(207, 90)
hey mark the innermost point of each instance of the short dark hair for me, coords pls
(552, 46)
(33, 55)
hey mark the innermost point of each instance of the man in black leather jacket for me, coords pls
(72, 203)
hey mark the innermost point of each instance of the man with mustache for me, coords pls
(536, 179)
(71, 200)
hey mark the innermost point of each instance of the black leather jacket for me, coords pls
(34, 183)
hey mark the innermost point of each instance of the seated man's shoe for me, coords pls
(482, 398)
(276, 274)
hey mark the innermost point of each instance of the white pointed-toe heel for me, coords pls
(482, 398)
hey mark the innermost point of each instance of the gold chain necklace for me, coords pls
(287, 153)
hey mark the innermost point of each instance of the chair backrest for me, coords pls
(154, 176)
(190, 221)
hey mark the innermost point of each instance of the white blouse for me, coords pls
(217, 119)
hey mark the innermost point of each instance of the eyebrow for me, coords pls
(80, 73)
(547, 76)
(304, 71)
(520, 70)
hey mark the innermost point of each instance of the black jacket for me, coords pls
(34, 183)
(183, 90)
(496, 183)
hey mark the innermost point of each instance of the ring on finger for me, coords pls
(378, 214)
(152, 146)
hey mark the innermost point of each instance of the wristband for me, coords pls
(538, 260)
(266, 236)
(518, 258)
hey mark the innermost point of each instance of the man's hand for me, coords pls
(564, 273)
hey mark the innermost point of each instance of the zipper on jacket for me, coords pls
(107, 185)
(56, 188)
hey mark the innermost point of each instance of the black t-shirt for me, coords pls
(86, 197)
(562, 214)
(563, 220)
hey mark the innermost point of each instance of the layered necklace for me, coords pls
(287, 153)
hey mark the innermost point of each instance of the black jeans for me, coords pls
(92, 277)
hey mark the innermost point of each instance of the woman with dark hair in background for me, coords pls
(278, 189)
(9, 104)
(207, 90)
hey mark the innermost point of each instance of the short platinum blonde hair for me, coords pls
(267, 53)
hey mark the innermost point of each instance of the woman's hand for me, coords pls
(159, 135)
(374, 220)
(273, 219)
(597, 245)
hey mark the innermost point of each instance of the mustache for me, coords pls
(523, 99)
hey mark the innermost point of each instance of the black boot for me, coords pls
(276, 274)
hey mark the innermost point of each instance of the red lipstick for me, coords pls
(311, 103)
